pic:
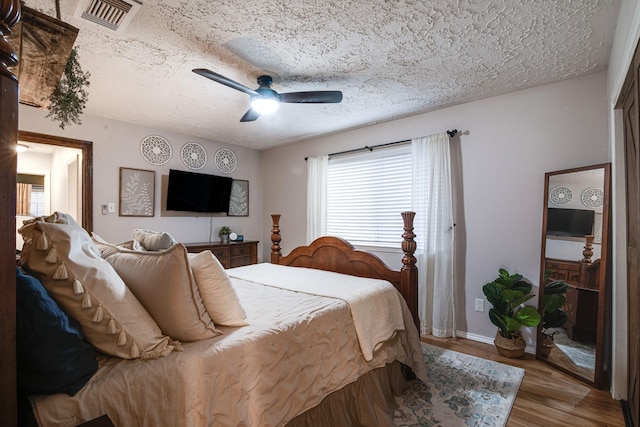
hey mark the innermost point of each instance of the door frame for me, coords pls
(87, 168)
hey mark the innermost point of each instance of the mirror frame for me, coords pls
(603, 274)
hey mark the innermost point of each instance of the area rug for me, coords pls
(462, 390)
(582, 355)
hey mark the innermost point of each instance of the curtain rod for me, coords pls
(451, 134)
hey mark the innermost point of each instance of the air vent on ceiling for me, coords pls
(113, 14)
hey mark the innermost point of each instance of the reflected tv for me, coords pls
(570, 222)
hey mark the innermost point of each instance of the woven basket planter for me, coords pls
(547, 345)
(513, 348)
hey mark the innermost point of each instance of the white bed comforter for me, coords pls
(297, 349)
(375, 304)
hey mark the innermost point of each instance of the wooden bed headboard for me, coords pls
(336, 254)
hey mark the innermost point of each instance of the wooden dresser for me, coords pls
(232, 254)
(582, 295)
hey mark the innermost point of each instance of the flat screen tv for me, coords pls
(570, 222)
(198, 192)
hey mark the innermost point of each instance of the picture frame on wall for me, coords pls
(239, 202)
(137, 192)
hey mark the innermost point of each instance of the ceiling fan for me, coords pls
(265, 100)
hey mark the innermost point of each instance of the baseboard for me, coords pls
(487, 340)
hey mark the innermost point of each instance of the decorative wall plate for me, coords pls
(155, 150)
(193, 155)
(560, 195)
(593, 197)
(226, 161)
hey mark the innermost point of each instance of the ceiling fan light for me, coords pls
(265, 105)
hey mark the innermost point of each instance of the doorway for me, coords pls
(78, 194)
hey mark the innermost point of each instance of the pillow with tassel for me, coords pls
(62, 256)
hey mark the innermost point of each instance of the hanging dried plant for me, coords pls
(70, 97)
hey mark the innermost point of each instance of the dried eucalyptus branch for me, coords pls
(70, 97)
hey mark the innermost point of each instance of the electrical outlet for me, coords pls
(479, 304)
(104, 209)
(111, 207)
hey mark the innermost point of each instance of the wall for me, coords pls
(117, 144)
(506, 145)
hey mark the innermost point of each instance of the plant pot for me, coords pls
(547, 345)
(224, 238)
(513, 348)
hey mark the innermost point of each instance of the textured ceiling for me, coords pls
(390, 59)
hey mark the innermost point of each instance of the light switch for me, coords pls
(479, 304)
(112, 207)
(104, 209)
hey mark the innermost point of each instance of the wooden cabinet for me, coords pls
(582, 308)
(232, 254)
(577, 273)
(567, 271)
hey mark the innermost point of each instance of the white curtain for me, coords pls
(23, 205)
(432, 201)
(317, 197)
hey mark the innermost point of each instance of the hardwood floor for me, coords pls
(546, 396)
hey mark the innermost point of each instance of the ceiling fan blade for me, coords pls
(224, 80)
(250, 116)
(316, 97)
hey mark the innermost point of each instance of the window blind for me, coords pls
(366, 193)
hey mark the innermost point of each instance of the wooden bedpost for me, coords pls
(9, 16)
(409, 271)
(276, 252)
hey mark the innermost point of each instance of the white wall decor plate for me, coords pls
(155, 150)
(592, 197)
(193, 155)
(560, 195)
(226, 161)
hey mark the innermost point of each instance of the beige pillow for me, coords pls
(153, 240)
(217, 292)
(62, 256)
(162, 281)
(102, 244)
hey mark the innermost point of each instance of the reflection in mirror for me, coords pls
(573, 276)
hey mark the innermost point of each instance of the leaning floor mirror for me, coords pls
(573, 280)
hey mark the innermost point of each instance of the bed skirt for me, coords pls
(366, 402)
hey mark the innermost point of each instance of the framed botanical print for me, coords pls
(239, 203)
(137, 192)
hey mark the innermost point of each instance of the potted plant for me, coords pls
(507, 294)
(553, 316)
(224, 234)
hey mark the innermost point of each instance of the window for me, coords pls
(30, 195)
(366, 193)
(36, 207)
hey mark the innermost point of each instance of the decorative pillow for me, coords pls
(153, 240)
(162, 281)
(102, 244)
(52, 355)
(217, 292)
(86, 287)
